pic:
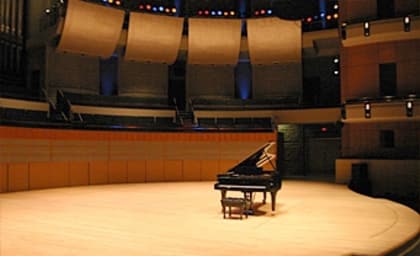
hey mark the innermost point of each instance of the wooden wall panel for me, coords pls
(22, 150)
(136, 171)
(98, 172)
(48, 175)
(18, 177)
(192, 150)
(209, 170)
(173, 170)
(153, 38)
(63, 150)
(155, 171)
(226, 165)
(210, 80)
(192, 170)
(72, 73)
(78, 173)
(117, 172)
(142, 79)
(3, 177)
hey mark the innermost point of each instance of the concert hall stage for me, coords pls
(311, 218)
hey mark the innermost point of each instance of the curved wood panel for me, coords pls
(91, 29)
(214, 41)
(153, 38)
(273, 41)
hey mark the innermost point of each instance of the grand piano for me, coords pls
(249, 177)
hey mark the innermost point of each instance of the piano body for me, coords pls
(249, 177)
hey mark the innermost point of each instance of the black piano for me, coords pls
(249, 177)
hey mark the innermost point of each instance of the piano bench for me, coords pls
(229, 202)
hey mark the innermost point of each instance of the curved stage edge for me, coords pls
(184, 218)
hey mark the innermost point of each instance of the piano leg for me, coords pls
(273, 200)
(249, 202)
(264, 197)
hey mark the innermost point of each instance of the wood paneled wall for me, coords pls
(360, 68)
(32, 158)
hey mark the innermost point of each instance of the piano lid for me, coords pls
(256, 160)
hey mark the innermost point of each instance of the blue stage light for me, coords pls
(161, 8)
(154, 8)
(269, 11)
(213, 13)
(220, 13)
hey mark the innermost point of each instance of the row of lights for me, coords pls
(215, 13)
(322, 16)
(116, 2)
(154, 8)
(409, 109)
(263, 12)
(336, 62)
(366, 27)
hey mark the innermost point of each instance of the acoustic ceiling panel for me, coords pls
(274, 41)
(91, 29)
(214, 41)
(153, 38)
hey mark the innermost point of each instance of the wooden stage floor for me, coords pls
(312, 218)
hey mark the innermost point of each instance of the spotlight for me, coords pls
(335, 15)
(148, 7)
(167, 10)
(366, 28)
(154, 8)
(329, 17)
(367, 110)
(47, 11)
(118, 2)
(206, 12)
(309, 19)
(262, 12)
(257, 13)
(200, 12)
(110, 1)
(407, 23)
(269, 12)
(322, 15)
(161, 9)
(225, 13)
(336, 72)
(409, 108)
(336, 6)
(213, 13)
(232, 13)
(220, 13)
(173, 10)
(141, 7)
(336, 60)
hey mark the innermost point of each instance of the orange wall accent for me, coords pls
(79, 173)
(48, 175)
(117, 172)
(36, 158)
(3, 178)
(98, 172)
(155, 171)
(209, 170)
(192, 170)
(173, 170)
(136, 171)
(18, 177)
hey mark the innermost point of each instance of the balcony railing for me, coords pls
(380, 31)
(382, 109)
